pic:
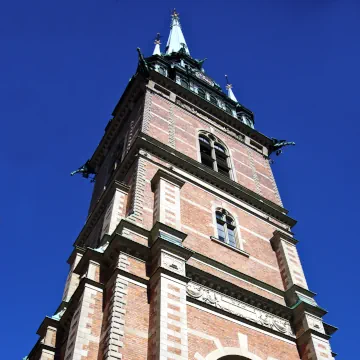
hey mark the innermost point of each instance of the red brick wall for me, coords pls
(251, 168)
(136, 324)
(197, 222)
(226, 332)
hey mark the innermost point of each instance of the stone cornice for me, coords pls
(219, 114)
(123, 108)
(240, 310)
(330, 329)
(167, 176)
(48, 321)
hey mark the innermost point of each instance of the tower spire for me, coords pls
(157, 45)
(229, 89)
(176, 40)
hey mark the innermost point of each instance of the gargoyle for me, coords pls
(85, 170)
(143, 65)
(277, 145)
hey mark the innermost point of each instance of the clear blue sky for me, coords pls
(64, 65)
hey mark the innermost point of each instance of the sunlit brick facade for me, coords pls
(187, 252)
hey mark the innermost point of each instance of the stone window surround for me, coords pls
(229, 161)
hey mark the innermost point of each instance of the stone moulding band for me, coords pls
(239, 308)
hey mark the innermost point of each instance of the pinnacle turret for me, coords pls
(157, 45)
(176, 41)
(229, 89)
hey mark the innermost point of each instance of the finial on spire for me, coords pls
(229, 89)
(176, 41)
(175, 13)
(157, 45)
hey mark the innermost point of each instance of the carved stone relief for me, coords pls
(239, 308)
(173, 263)
(315, 323)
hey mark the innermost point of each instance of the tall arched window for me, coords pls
(226, 228)
(214, 155)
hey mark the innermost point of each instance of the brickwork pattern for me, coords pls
(168, 320)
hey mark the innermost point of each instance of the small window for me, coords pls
(213, 100)
(228, 109)
(226, 228)
(162, 70)
(201, 93)
(214, 155)
(184, 83)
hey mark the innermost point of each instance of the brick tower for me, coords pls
(187, 251)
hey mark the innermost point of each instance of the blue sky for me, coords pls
(65, 64)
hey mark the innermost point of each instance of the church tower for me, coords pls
(187, 251)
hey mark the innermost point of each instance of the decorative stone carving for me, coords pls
(239, 308)
(172, 263)
(315, 323)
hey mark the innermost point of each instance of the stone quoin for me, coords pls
(187, 251)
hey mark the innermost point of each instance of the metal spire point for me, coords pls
(229, 89)
(157, 45)
(176, 41)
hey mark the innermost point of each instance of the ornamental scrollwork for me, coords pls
(239, 308)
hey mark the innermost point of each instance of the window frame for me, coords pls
(221, 161)
(226, 226)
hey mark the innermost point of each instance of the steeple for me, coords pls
(229, 89)
(176, 40)
(157, 45)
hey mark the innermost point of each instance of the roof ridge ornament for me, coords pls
(176, 41)
(229, 89)
(157, 43)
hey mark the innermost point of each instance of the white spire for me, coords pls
(229, 89)
(176, 39)
(157, 45)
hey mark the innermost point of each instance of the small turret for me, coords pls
(176, 41)
(229, 89)
(157, 45)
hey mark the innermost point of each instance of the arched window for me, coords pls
(225, 226)
(214, 155)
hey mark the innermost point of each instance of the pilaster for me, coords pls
(73, 279)
(85, 327)
(168, 336)
(166, 188)
(115, 210)
(289, 262)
